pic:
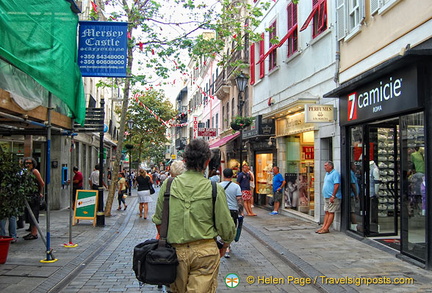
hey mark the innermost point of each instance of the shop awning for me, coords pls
(224, 140)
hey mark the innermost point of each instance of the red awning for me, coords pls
(224, 140)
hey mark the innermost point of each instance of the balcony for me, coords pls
(222, 86)
(238, 57)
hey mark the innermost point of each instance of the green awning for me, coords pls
(39, 38)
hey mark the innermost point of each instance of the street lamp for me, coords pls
(130, 126)
(241, 81)
(100, 216)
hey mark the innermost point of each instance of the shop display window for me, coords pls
(414, 185)
(263, 174)
(299, 176)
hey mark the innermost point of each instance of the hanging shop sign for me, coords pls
(319, 113)
(259, 127)
(195, 127)
(102, 49)
(207, 131)
(389, 95)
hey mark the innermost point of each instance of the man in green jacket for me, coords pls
(192, 228)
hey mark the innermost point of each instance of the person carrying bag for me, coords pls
(155, 261)
(197, 219)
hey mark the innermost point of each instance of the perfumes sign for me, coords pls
(319, 113)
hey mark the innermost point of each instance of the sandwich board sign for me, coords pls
(85, 205)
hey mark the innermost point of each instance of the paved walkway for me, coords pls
(275, 254)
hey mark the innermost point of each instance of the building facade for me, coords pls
(292, 66)
(384, 112)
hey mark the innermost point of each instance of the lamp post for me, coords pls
(100, 216)
(130, 126)
(241, 81)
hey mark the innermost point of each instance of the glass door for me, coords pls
(357, 194)
(374, 181)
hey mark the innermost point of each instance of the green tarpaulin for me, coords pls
(39, 38)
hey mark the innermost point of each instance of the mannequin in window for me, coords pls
(417, 158)
(374, 180)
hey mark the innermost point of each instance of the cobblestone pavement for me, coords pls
(111, 270)
(280, 247)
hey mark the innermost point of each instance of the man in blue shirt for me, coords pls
(332, 196)
(278, 184)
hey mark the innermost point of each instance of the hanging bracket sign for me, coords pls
(102, 49)
(315, 113)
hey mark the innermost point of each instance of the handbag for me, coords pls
(152, 189)
(155, 261)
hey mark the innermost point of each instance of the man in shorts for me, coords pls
(332, 196)
(278, 185)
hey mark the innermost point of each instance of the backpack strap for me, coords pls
(226, 186)
(214, 194)
(165, 210)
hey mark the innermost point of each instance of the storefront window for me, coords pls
(356, 187)
(263, 176)
(413, 185)
(299, 189)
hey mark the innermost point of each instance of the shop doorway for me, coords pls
(388, 183)
(374, 179)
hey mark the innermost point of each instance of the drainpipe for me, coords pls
(337, 65)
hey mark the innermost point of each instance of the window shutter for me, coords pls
(362, 12)
(309, 19)
(252, 63)
(341, 19)
(261, 55)
(374, 6)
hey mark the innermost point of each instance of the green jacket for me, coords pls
(191, 210)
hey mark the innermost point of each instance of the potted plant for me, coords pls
(15, 186)
(240, 122)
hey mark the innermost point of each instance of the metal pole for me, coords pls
(130, 167)
(71, 193)
(100, 216)
(49, 256)
(241, 130)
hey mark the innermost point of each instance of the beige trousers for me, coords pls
(198, 267)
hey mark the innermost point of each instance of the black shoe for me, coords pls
(28, 230)
(30, 237)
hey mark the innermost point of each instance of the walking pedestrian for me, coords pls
(278, 185)
(121, 195)
(244, 179)
(214, 176)
(144, 197)
(195, 221)
(177, 168)
(234, 199)
(332, 196)
(94, 179)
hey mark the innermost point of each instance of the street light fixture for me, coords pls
(130, 124)
(241, 81)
